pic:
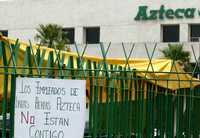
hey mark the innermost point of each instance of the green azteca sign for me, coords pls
(163, 13)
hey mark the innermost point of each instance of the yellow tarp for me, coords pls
(160, 71)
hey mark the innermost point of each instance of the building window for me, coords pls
(4, 32)
(170, 33)
(92, 35)
(195, 32)
(69, 34)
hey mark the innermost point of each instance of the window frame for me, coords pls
(65, 29)
(190, 32)
(170, 25)
(86, 34)
(3, 33)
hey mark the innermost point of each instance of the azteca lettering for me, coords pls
(145, 14)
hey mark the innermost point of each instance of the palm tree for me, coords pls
(176, 53)
(52, 36)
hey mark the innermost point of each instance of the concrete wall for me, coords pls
(115, 18)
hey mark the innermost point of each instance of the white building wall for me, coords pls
(184, 32)
(79, 34)
(115, 18)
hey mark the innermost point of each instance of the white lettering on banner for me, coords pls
(49, 108)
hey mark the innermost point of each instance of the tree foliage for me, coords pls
(52, 36)
(176, 52)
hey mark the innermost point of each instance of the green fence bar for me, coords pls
(12, 104)
(5, 89)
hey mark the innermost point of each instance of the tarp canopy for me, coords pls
(162, 72)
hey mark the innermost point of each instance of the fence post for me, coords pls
(12, 104)
(5, 91)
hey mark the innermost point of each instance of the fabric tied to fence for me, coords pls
(125, 97)
(162, 72)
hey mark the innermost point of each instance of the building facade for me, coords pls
(116, 21)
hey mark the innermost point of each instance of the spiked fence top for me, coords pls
(162, 72)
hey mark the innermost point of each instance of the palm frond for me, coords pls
(51, 35)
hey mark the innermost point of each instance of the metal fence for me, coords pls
(121, 103)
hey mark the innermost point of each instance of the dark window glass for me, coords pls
(70, 34)
(92, 35)
(4, 32)
(195, 33)
(171, 33)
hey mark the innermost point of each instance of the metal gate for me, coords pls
(123, 102)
